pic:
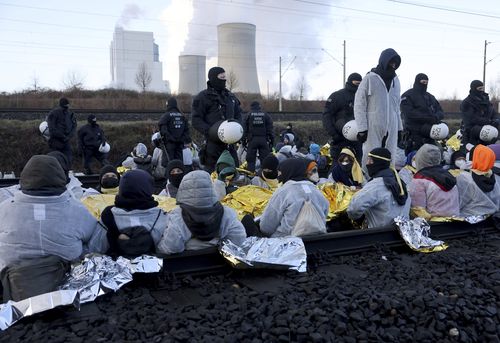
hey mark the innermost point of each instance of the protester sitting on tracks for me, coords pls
(175, 173)
(282, 211)
(433, 188)
(44, 220)
(267, 176)
(139, 159)
(135, 223)
(201, 220)
(479, 189)
(228, 177)
(409, 169)
(109, 180)
(384, 197)
(347, 170)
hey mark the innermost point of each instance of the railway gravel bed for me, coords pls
(379, 296)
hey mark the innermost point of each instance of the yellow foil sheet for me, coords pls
(325, 151)
(454, 142)
(338, 195)
(98, 202)
(248, 200)
(422, 213)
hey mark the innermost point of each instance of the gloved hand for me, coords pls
(362, 136)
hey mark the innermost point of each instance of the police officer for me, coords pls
(90, 138)
(419, 111)
(338, 111)
(258, 135)
(477, 111)
(210, 107)
(174, 130)
(62, 126)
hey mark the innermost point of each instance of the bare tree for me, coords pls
(494, 89)
(35, 83)
(302, 88)
(143, 77)
(73, 80)
(232, 81)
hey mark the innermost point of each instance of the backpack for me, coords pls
(33, 277)
(132, 241)
(309, 221)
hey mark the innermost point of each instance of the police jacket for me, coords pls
(339, 109)
(174, 127)
(258, 124)
(90, 136)
(210, 106)
(420, 109)
(62, 123)
(477, 110)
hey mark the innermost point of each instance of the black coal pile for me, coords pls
(380, 296)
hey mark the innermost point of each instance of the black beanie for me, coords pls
(108, 169)
(63, 102)
(172, 164)
(354, 77)
(91, 119)
(270, 162)
(171, 103)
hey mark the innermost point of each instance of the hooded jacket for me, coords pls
(475, 202)
(339, 109)
(61, 123)
(420, 109)
(196, 190)
(434, 188)
(376, 109)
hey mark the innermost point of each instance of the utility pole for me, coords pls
(343, 64)
(280, 103)
(484, 62)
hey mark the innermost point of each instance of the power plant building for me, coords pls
(236, 43)
(192, 74)
(128, 51)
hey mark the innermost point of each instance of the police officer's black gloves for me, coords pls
(362, 136)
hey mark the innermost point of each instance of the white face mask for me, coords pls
(314, 177)
(344, 163)
(461, 164)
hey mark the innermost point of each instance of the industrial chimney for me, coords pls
(192, 74)
(237, 56)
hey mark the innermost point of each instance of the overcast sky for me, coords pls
(444, 39)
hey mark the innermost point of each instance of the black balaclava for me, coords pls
(270, 162)
(255, 106)
(379, 164)
(63, 102)
(473, 88)
(349, 85)
(109, 182)
(43, 176)
(214, 81)
(92, 120)
(293, 169)
(420, 87)
(63, 161)
(172, 104)
(136, 191)
(383, 69)
(176, 178)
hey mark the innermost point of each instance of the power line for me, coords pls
(445, 9)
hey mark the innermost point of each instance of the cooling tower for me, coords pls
(237, 56)
(192, 74)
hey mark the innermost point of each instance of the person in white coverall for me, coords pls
(377, 106)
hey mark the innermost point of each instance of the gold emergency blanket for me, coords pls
(325, 151)
(248, 200)
(98, 202)
(338, 195)
(454, 142)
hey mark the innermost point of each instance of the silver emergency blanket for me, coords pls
(12, 311)
(95, 275)
(475, 219)
(266, 253)
(416, 235)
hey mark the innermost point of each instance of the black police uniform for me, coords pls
(90, 138)
(62, 125)
(174, 129)
(259, 136)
